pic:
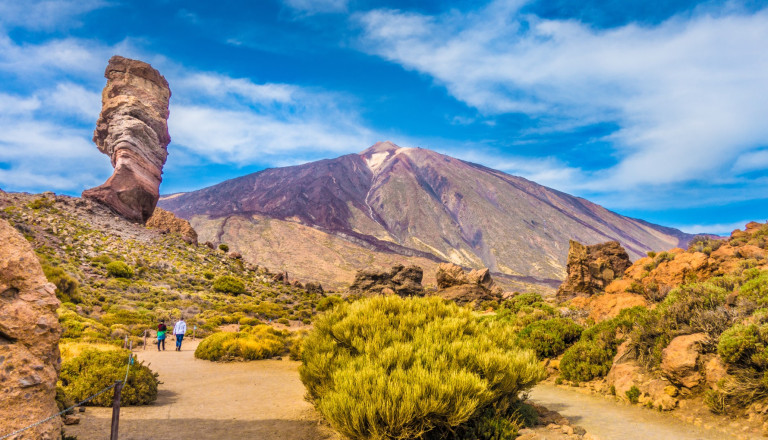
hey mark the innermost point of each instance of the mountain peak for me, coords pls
(380, 147)
(379, 153)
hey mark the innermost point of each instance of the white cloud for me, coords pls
(317, 6)
(242, 137)
(46, 124)
(714, 228)
(689, 95)
(45, 14)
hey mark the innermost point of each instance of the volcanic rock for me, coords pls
(317, 288)
(167, 223)
(474, 287)
(592, 268)
(133, 131)
(449, 275)
(680, 359)
(400, 280)
(29, 340)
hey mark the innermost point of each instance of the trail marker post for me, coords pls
(116, 410)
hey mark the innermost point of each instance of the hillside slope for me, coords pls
(418, 203)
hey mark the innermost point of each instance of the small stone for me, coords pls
(553, 426)
(579, 430)
(567, 430)
(670, 391)
(81, 409)
(71, 420)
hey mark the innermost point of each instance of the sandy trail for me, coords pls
(611, 420)
(207, 400)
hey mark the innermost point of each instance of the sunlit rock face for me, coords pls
(29, 340)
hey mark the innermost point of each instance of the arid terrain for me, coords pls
(211, 401)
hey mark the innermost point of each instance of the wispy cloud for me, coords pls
(317, 6)
(45, 133)
(714, 228)
(689, 95)
(46, 14)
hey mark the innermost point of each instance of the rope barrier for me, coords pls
(130, 362)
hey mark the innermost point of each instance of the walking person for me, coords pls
(179, 329)
(161, 331)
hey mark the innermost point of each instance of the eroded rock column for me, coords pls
(133, 131)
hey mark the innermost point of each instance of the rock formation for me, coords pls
(400, 280)
(132, 129)
(592, 268)
(29, 340)
(474, 287)
(167, 223)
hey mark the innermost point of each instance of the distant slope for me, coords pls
(420, 204)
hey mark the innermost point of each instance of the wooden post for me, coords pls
(116, 410)
(145, 339)
(125, 342)
(194, 329)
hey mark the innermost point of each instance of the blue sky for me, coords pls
(654, 109)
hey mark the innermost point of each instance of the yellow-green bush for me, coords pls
(93, 370)
(549, 338)
(393, 368)
(119, 269)
(229, 284)
(258, 342)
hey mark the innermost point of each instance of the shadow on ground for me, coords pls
(206, 429)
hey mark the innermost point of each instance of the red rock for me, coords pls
(679, 360)
(29, 340)
(166, 222)
(132, 129)
(592, 268)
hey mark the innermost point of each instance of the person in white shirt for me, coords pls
(179, 329)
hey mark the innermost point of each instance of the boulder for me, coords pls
(592, 268)
(316, 288)
(679, 361)
(133, 131)
(449, 275)
(167, 223)
(29, 340)
(400, 280)
(456, 285)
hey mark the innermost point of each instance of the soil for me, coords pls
(205, 400)
(607, 419)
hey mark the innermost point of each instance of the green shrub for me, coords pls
(224, 247)
(66, 286)
(633, 394)
(427, 364)
(549, 338)
(93, 370)
(259, 342)
(118, 269)
(284, 321)
(744, 347)
(586, 360)
(592, 356)
(716, 401)
(41, 202)
(328, 302)
(229, 284)
(208, 275)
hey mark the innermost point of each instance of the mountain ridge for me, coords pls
(420, 203)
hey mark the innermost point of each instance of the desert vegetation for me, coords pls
(117, 280)
(249, 344)
(388, 367)
(87, 369)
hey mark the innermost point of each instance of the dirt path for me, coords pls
(206, 400)
(609, 420)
